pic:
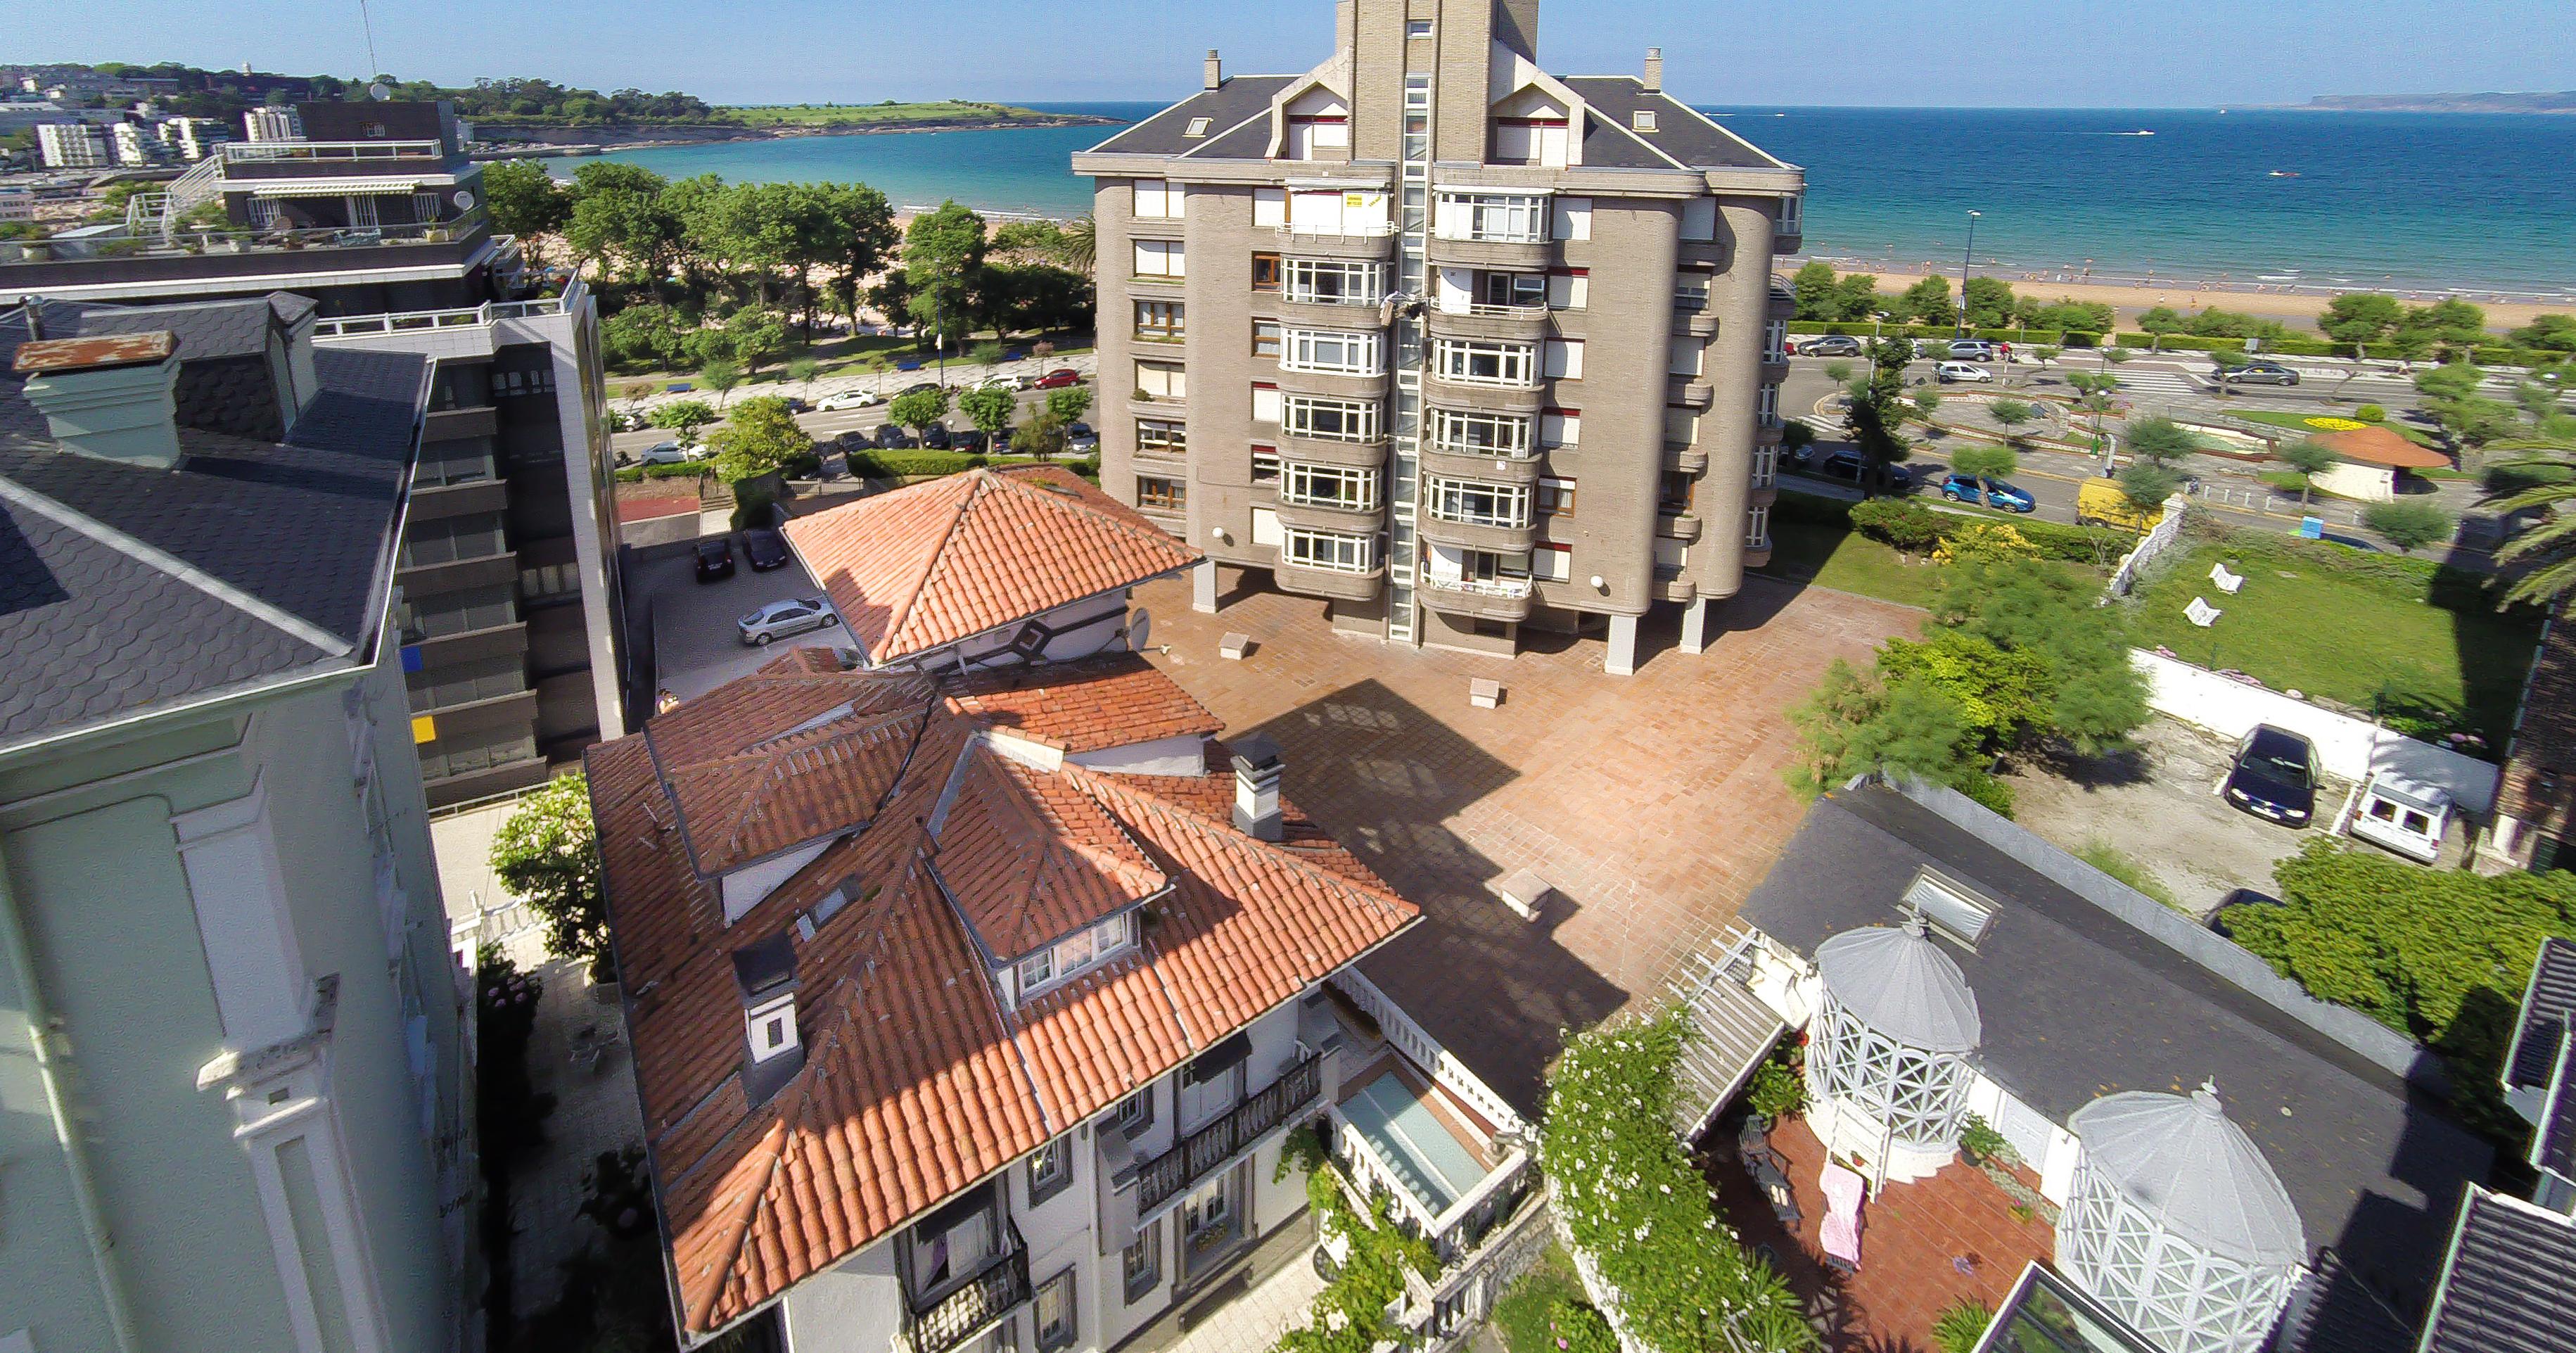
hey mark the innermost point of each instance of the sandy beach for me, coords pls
(2292, 305)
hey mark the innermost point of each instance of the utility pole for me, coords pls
(1969, 260)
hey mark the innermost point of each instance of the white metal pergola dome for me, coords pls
(1893, 1033)
(2177, 1223)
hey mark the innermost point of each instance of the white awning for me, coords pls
(332, 187)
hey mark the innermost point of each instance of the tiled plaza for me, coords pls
(1654, 803)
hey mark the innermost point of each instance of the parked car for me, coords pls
(671, 453)
(893, 436)
(1829, 345)
(2258, 373)
(972, 441)
(2102, 502)
(766, 549)
(1080, 439)
(2274, 776)
(1847, 465)
(715, 559)
(916, 388)
(795, 404)
(1058, 379)
(935, 437)
(779, 619)
(1995, 493)
(1973, 350)
(848, 399)
(1949, 372)
(2403, 814)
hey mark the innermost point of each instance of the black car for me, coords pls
(2258, 373)
(970, 441)
(765, 549)
(916, 388)
(1829, 345)
(2274, 776)
(935, 437)
(893, 437)
(715, 559)
(1847, 466)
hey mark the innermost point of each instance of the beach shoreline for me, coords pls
(2131, 295)
(549, 142)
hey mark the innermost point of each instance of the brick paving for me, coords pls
(1653, 802)
(1923, 1245)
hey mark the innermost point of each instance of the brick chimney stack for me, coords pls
(1215, 75)
(1654, 70)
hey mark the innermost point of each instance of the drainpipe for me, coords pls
(22, 971)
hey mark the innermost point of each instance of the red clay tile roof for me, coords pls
(2379, 446)
(917, 1083)
(1120, 700)
(928, 565)
(2540, 771)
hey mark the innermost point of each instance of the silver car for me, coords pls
(779, 619)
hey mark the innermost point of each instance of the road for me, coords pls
(823, 427)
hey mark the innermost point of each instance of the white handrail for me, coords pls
(1409, 1038)
(333, 150)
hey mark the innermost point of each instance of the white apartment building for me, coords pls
(75, 145)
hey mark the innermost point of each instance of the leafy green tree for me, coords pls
(755, 337)
(918, 409)
(1838, 371)
(2161, 322)
(2408, 524)
(2411, 345)
(2360, 318)
(2449, 321)
(943, 258)
(989, 407)
(1815, 289)
(1928, 301)
(2161, 441)
(1080, 243)
(2147, 484)
(2451, 395)
(645, 336)
(2549, 333)
(547, 855)
(1985, 464)
(524, 200)
(2116, 356)
(1926, 402)
(722, 375)
(684, 415)
(2011, 415)
(760, 438)
(802, 371)
(2095, 696)
(2000, 694)
(620, 220)
(2081, 317)
(2307, 459)
(1987, 303)
(986, 354)
(1877, 411)
(1855, 724)
(1856, 297)
(1069, 403)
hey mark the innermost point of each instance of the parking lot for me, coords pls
(695, 645)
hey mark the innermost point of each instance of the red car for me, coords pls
(1059, 378)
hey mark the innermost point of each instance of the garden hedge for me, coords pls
(902, 464)
(636, 474)
(2072, 544)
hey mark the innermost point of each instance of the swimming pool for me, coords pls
(1433, 1165)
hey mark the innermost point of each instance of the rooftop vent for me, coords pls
(772, 1053)
(1257, 768)
(112, 397)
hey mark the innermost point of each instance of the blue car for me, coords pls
(1961, 488)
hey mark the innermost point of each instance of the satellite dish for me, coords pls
(1140, 631)
(464, 200)
(380, 91)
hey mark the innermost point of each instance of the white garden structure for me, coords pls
(2177, 1223)
(1887, 1056)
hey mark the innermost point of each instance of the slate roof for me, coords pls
(1683, 135)
(125, 588)
(1239, 98)
(926, 566)
(2553, 1141)
(2540, 770)
(2077, 1005)
(918, 1084)
(2505, 1288)
(2546, 1005)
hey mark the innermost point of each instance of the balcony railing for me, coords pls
(1204, 1151)
(1363, 232)
(1483, 311)
(273, 151)
(977, 1304)
(412, 321)
(189, 241)
(1296, 297)
(1447, 448)
(1509, 588)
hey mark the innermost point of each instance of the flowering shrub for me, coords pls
(1349, 1315)
(1579, 1328)
(1985, 540)
(2325, 423)
(1632, 1203)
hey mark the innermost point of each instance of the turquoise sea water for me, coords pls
(2486, 202)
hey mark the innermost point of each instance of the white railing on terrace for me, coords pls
(1398, 1028)
(1513, 588)
(1363, 231)
(272, 151)
(1447, 448)
(160, 212)
(1483, 311)
(1294, 297)
(414, 321)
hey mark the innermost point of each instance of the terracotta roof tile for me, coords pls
(917, 1083)
(928, 565)
(1119, 700)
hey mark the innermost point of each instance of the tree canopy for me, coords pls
(761, 437)
(547, 854)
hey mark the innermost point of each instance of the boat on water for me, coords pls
(2285, 173)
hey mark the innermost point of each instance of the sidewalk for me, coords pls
(959, 375)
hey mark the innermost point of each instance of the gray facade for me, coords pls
(510, 614)
(1458, 345)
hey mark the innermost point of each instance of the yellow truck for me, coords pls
(2102, 502)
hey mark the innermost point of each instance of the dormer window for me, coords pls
(1075, 954)
(772, 1053)
(1198, 127)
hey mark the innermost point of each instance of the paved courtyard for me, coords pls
(1654, 803)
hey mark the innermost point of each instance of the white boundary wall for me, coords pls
(2349, 747)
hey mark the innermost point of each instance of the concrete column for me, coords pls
(1203, 588)
(1695, 625)
(1622, 658)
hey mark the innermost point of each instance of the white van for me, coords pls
(2403, 815)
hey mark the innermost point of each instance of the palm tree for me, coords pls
(1081, 241)
(2544, 555)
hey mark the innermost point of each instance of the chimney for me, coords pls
(1257, 768)
(1215, 71)
(112, 397)
(291, 368)
(1654, 70)
(772, 1053)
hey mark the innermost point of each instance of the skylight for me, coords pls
(1950, 907)
(1643, 119)
(1198, 127)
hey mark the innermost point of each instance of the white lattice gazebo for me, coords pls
(1887, 1055)
(2177, 1223)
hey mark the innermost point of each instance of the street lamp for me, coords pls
(1966, 262)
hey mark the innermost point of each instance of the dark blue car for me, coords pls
(1962, 488)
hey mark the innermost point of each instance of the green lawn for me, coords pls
(2299, 422)
(2344, 626)
(1847, 561)
(1521, 1315)
(858, 114)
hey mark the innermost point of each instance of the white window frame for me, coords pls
(1298, 418)
(1642, 119)
(1766, 465)
(1075, 954)
(1161, 258)
(1507, 218)
(1340, 352)
(1775, 341)
(1359, 283)
(1330, 551)
(1160, 200)
(1171, 436)
(1474, 502)
(1508, 435)
(1757, 526)
(1050, 1170)
(1335, 486)
(771, 1028)
(1766, 406)
(1163, 380)
(1515, 365)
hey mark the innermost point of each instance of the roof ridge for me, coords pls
(1199, 823)
(152, 556)
(1140, 529)
(898, 618)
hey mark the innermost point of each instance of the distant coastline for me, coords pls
(507, 138)
(2543, 104)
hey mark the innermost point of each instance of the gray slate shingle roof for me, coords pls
(1680, 132)
(2506, 1288)
(2545, 1009)
(124, 587)
(1240, 97)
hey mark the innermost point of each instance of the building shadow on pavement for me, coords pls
(1497, 991)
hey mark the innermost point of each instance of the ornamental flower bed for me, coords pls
(1640, 1218)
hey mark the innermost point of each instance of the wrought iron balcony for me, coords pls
(1201, 1153)
(973, 1306)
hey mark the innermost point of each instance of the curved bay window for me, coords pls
(1332, 486)
(1473, 503)
(1467, 362)
(1473, 432)
(1325, 419)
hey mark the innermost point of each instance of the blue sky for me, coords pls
(1904, 52)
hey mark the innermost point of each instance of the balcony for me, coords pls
(1332, 384)
(1506, 599)
(1369, 242)
(192, 254)
(1459, 462)
(1476, 535)
(1681, 526)
(1506, 255)
(1685, 459)
(1690, 392)
(1212, 1148)
(1504, 323)
(1329, 516)
(1783, 301)
(959, 1316)
(1694, 323)
(1307, 580)
(1360, 455)
(1672, 584)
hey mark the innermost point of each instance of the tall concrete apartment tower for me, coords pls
(1459, 345)
(510, 615)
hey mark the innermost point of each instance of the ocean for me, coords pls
(2480, 202)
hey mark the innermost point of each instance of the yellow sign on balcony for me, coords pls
(424, 728)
